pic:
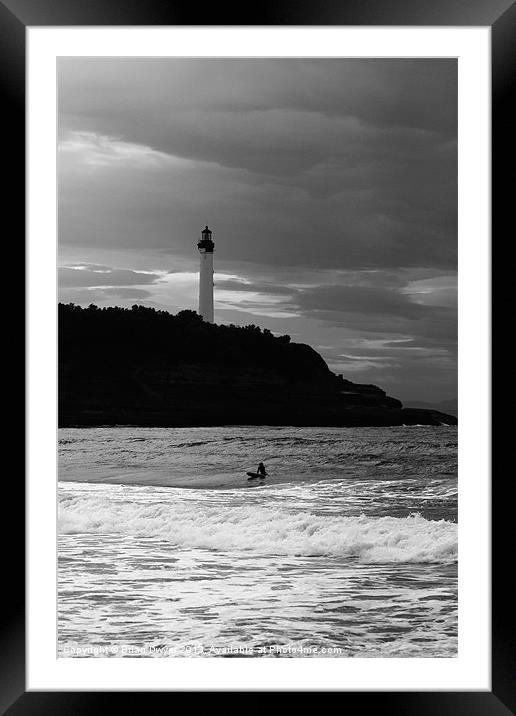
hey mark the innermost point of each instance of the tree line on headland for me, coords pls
(143, 366)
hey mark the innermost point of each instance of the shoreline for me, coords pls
(406, 417)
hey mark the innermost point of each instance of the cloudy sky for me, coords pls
(330, 187)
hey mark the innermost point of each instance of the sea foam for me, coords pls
(263, 530)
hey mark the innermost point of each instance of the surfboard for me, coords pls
(254, 475)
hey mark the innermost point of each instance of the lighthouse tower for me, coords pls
(205, 246)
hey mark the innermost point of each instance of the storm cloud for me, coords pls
(103, 276)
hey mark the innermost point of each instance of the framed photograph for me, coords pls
(258, 356)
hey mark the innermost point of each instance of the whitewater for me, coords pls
(348, 548)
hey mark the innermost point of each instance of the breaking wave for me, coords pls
(264, 530)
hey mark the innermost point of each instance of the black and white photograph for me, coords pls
(257, 357)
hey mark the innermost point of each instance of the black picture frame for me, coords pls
(15, 17)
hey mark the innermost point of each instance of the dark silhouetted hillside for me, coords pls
(445, 406)
(140, 366)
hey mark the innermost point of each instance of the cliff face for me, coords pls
(146, 367)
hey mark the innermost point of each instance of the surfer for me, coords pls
(260, 473)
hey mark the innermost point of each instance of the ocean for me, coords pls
(347, 549)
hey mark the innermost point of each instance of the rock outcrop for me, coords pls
(144, 367)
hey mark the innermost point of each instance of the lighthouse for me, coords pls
(205, 246)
